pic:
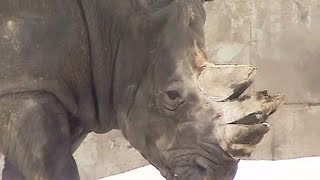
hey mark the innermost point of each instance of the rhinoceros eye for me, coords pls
(173, 95)
(171, 99)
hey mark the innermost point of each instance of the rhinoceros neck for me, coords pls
(103, 31)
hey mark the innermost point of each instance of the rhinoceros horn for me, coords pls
(223, 82)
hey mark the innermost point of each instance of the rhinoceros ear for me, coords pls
(223, 82)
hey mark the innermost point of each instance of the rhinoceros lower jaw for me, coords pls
(204, 169)
(206, 159)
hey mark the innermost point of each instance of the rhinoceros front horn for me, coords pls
(243, 119)
(223, 82)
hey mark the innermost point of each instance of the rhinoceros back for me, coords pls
(44, 47)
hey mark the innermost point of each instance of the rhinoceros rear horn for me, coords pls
(223, 82)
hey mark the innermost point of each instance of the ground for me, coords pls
(297, 169)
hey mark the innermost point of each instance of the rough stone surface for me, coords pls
(296, 132)
(282, 39)
(285, 48)
(227, 31)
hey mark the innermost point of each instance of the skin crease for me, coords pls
(97, 65)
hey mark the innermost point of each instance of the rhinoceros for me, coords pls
(68, 68)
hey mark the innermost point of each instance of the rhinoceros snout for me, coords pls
(205, 169)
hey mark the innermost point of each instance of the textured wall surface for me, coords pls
(280, 37)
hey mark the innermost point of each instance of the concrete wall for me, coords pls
(280, 37)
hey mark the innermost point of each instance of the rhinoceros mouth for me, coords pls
(208, 160)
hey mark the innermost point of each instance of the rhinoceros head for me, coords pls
(186, 116)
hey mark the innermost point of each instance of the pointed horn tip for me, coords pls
(280, 98)
(276, 102)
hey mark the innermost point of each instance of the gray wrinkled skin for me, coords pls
(68, 68)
